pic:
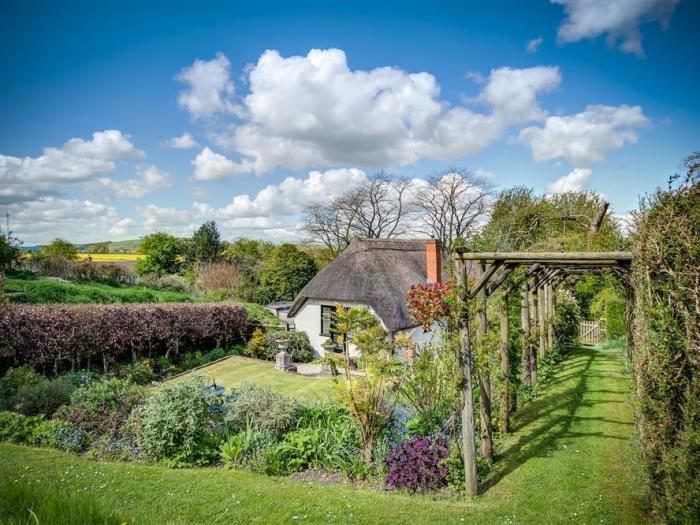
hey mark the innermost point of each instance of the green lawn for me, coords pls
(233, 370)
(569, 461)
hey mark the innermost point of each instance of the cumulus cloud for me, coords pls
(314, 111)
(290, 196)
(43, 219)
(184, 141)
(587, 136)
(534, 45)
(148, 178)
(209, 87)
(78, 160)
(209, 165)
(576, 180)
(620, 20)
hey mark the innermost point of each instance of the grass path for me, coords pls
(568, 461)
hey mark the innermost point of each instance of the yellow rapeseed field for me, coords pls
(110, 257)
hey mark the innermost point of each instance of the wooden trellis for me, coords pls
(537, 286)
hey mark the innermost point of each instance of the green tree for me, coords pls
(248, 255)
(9, 255)
(285, 272)
(100, 247)
(205, 245)
(60, 248)
(162, 254)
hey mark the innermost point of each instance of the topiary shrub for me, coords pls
(177, 425)
(260, 408)
(417, 464)
(103, 407)
(298, 346)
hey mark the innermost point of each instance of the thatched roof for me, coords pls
(378, 272)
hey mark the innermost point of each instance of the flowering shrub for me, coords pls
(16, 427)
(417, 464)
(429, 303)
(59, 336)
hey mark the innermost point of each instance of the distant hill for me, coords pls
(129, 246)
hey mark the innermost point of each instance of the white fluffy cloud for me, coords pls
(209, 87)
(184, 141)
(264, 213)
(78, 160)
(587, 136)
(534, 45)
(290, 196)
(148, 178)
(41, 220)
(209, 165)
(619, 19)
(576, 180)
(314, 111)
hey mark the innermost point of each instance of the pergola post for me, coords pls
(550, 318)
(542, 332)
(465, 362)
(534, 330)
(506, 395)
(525, 319)
(484, 373)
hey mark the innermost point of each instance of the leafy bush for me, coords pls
(329, 440)
(417, 464)
(666, 276)
(455, 467)
(298, 346)
(62, 335)
(256, 345)
(611, 307)
(44, 397)
(55, 433)
(260, 408)
(103, 407)
(431, 388)
(140, 373)
(11, 383)
(177, 425)
(566, 323)
(284, 273)
(17, 427)
(247, 448)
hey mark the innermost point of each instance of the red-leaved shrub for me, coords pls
(73, 336)
(418, 464)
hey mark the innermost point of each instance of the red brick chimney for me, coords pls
(434, 264)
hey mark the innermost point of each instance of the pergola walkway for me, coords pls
(537, 288)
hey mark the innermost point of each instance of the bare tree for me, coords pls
(329, 225)
(376, 209)
(451, 206)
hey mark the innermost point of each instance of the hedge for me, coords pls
(60, 337)
(666, 274)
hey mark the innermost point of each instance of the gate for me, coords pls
(590, 333)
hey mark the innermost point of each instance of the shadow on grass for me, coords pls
(554, 413)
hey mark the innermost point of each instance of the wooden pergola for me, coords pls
(537, 287)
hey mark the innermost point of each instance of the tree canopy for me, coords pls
(285, 272)
(162, 254)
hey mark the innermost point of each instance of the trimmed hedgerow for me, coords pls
(666, 276)
(418, 464)
(57, 337)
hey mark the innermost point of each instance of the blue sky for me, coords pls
(605, 99)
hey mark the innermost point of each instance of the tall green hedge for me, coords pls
(666, 274)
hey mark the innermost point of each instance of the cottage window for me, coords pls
(327, 320)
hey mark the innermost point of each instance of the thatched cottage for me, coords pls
(373, 273)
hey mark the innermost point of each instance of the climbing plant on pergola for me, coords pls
(537, 288)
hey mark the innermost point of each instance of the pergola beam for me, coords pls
(466, 255)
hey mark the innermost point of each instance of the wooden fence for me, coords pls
(590, 333)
